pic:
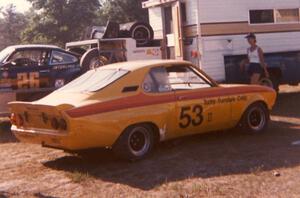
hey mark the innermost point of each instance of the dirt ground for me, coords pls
(222, 164)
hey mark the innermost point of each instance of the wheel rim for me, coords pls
(95, 63)
(139, 141)
(256, 119)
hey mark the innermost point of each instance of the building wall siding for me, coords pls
(216, 47)
(213, 16)
(192, 12)
(237, 10)
(156, 21)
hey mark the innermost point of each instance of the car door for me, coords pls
(64, 68)
(162, 99)
(200, 105)
(25, 66)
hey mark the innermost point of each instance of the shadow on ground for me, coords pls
(201, 156)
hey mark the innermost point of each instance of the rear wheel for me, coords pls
(256, 118)
(135, 143)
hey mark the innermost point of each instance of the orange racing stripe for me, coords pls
(147, 100)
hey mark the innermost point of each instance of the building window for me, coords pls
(287, 15)
(168, 20)
(261, 16)
(183, 12)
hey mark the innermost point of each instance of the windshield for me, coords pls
(94, 80)
(5, 53)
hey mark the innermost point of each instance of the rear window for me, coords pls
(94, 80)
(5, 53)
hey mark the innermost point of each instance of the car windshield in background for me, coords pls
(5, 53)
(94, 80)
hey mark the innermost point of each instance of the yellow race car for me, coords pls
(131, 106)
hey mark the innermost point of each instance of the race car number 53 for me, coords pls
(191, 115)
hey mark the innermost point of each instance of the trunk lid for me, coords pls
(32, 115)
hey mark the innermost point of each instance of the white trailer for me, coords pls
(210, 33)
(98, 52)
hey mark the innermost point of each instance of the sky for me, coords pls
(21, 5)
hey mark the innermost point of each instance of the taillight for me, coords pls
(19, 120)
(54, 123)
(63, 124)
(45, 118)
(13, 119)
(26, 116)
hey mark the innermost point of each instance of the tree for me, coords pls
(122, 11)
(58, 22)
(61, 21)
(12, 24)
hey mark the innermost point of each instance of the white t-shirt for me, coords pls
(253, 55)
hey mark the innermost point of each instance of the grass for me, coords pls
(78, 177)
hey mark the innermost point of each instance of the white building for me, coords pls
(207, 31)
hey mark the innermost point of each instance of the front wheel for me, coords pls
(256, 118)
(92, 60)
(135, 143)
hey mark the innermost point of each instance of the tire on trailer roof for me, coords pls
(140, 31)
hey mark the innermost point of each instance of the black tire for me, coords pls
(135, 143)
(91, 60)
(142, 33)
(255, 119)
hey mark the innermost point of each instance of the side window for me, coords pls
(287, 15)
(261, 16)
(157, 81)
(29, 57)
(62, 58)
(165, 79)
(185, 78)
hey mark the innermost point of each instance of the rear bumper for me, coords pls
(45, 138)
(72, 141)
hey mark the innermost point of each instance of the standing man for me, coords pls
(256, 61)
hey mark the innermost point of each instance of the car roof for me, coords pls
(135, 65)
(34, 46)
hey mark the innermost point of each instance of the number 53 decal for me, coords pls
(191, 115)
